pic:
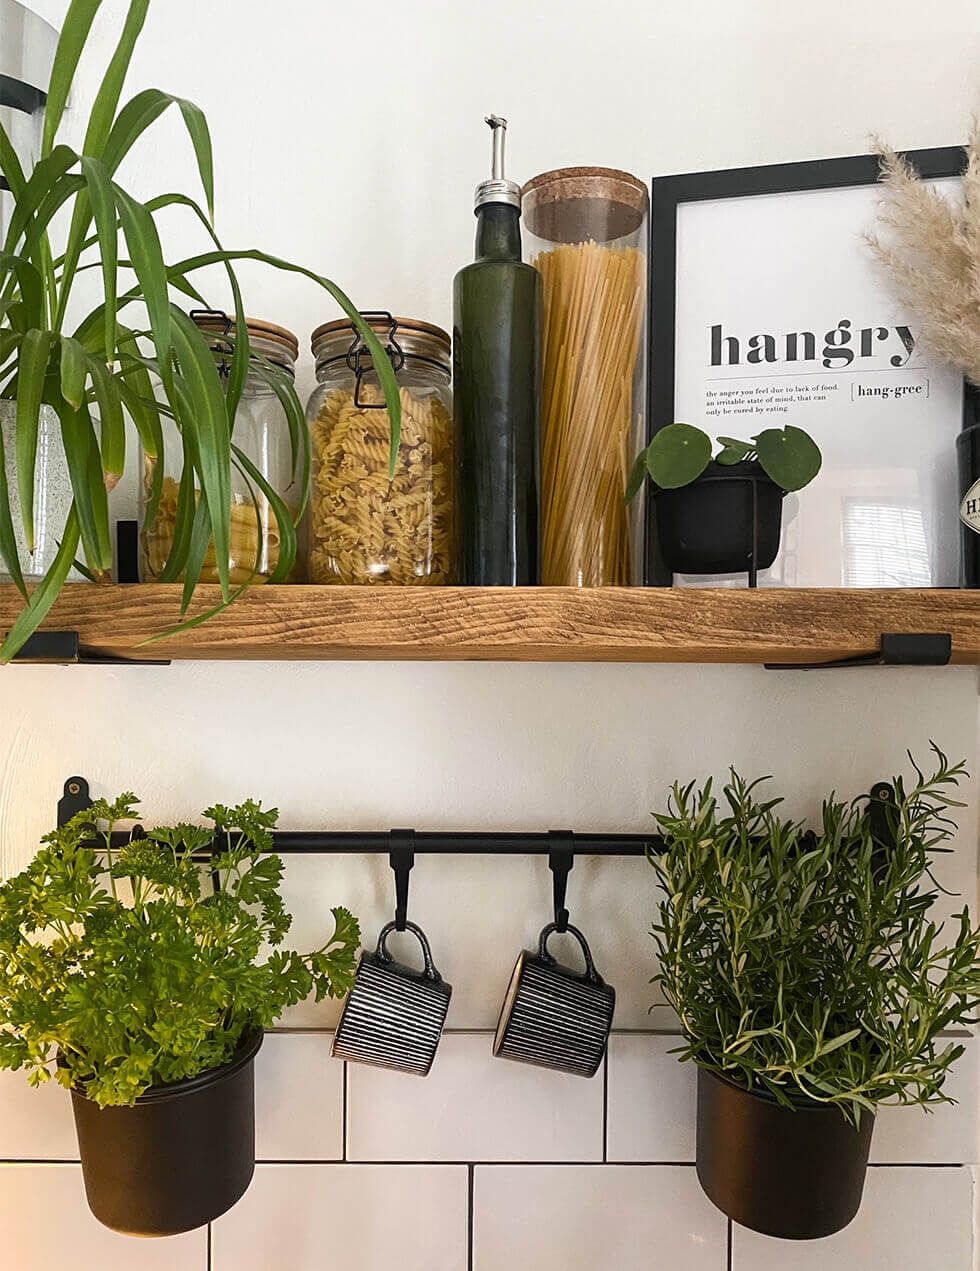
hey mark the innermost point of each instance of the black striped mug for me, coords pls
(394, 1015)
(554, 1016)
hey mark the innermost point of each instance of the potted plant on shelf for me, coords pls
(134, 354)
(722, 515)
(135, 975)
(812, 985)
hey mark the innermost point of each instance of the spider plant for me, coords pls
(136, 354)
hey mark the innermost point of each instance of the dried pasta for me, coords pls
(248, 529)
(593, 320)
(367, 527)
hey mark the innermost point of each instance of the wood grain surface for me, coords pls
(511, 624)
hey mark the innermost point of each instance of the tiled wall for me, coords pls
(491, 1166)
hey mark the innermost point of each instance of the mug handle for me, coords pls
(429, 969)
(591, 973)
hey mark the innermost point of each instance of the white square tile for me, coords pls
(595, 1218)
(35, 1125)
(299, 1099)
(45, 1223)
(947, 1135)
(910, 1220)
(652, 1100)
(359, 1217)
(473, 1107)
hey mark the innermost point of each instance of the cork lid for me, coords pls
(569, 205)
(421, 339)
(280, 339)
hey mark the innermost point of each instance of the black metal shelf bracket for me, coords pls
(896, 649)
(64, 648)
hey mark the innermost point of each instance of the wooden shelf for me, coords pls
(510, 624)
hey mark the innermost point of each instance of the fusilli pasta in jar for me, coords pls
(367, 526)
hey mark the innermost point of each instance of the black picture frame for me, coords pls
(668, 193)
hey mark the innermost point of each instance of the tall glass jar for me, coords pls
(586, 233)
(365, 525)
(262, 431)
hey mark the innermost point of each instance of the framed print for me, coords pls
(767, 308)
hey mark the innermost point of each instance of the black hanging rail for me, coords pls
(560, 846)
(76, 799)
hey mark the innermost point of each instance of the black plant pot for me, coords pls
(797, 1173)
(183, 1155)
(727, 521)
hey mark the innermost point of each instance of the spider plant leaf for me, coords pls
(198, 620)
(45, 594)
(74, 34)
(386, 375)
(45, 177)
(88, 487)
(147, 256)
(103, 203)
(185, 512)
(132, 121)
(143, 110)
(283, 386)
(136, 391)
(241, 345)
(111, 422)
(29, 286)
(208, 422)
(35, 350)
(284, 518)
(11, 168)
(74, 370)
(197, 550)
(197, 130)
(8, 542)
(107, 99)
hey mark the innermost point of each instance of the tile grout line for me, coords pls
(731, 1245)
(343, 1128)
(471, 1187)
(605, 1107)
(209, 1264)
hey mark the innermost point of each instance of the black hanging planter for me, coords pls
(183, 1155)
(728, 521)
(797, 1173)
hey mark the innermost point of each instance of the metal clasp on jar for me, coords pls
(359, 350)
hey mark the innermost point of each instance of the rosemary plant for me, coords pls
(121, 969)
(135, 354)
(810, 964)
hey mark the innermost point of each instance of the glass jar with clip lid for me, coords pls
(261, 432)
(368, 525)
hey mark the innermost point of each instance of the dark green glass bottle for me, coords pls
(496, 322)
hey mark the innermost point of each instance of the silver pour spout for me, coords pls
(499, 128)
(498, 189)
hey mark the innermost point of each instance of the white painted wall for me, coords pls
(349, 138)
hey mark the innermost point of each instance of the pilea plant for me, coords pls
(811, 964)
(135, 354)
(680, 453)
(141, 965)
